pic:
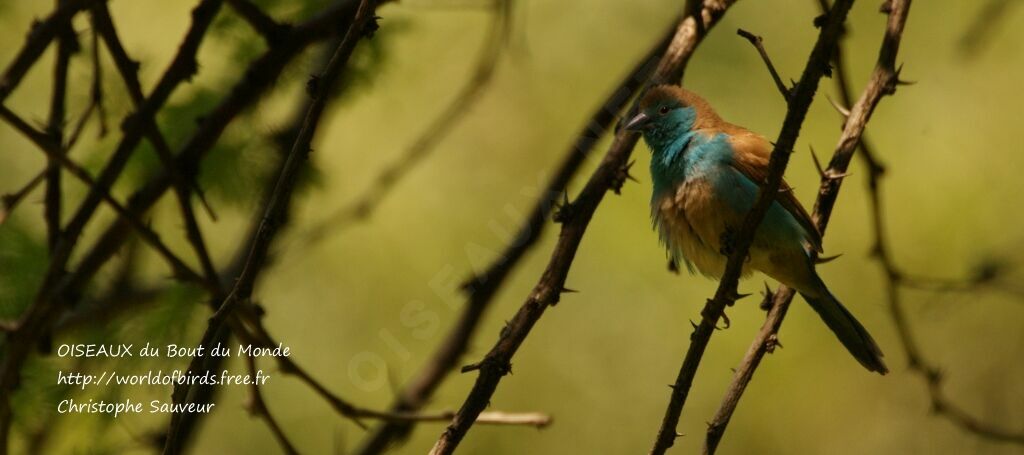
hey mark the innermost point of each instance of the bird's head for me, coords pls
(668, 111)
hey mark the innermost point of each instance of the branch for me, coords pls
(258, 77)
(39, 38)
(266, 26)
(128, 68)
(10, 201)
(243, 288)
(481, 289)
(576, 218)
(55, 153)
(67, 44)
(258, 408)
(759, 45)
(882, 82)
(799, 102)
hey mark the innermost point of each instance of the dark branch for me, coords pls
(883, 77)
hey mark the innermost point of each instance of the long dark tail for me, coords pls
(850, 332)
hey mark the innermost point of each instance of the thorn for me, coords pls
(826, 259)
(673, 266)
(201, 195)
(839, 108)
(564, 210)
(470, 284)
(312, 85)
(817, 164)
(371, 26)
(819, 21)
(736, 295)
(567, 290)
(679, 435)
(470, 367)
(786, 189)
(834, 176)
(621, 175)
(694, 324)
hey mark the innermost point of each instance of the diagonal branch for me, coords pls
(39, 38)
(882, 82)
(576, 217)
(799, 102)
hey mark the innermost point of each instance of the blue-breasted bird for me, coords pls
(706, 174)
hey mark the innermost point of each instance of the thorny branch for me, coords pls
(179, 172)
(547, 292)
(482, 288)
(882, 82)
(799, 101)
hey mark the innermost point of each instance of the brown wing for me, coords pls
(751, 158)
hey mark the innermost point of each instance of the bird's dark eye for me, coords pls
(663, 110)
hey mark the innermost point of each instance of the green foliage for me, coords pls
(23, 260)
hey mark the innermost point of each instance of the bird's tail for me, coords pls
(850, 332)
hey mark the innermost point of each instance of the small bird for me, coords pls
(706, 175)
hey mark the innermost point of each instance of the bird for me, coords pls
(705, 175)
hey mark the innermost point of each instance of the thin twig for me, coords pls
(576, 217)
(799, 102)
(758, 43)
(10, 201)
(258, 408)
(882, 82)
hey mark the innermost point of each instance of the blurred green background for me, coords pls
(600, 361)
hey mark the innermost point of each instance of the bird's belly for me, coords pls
(691, 226)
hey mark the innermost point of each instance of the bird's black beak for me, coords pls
(638, 122)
